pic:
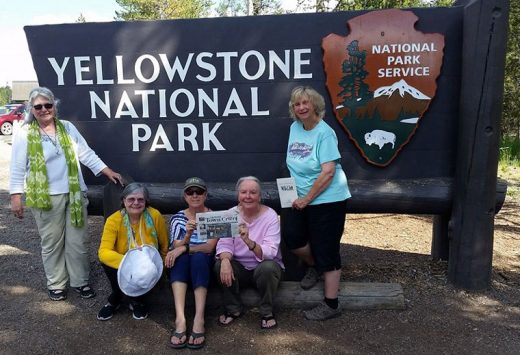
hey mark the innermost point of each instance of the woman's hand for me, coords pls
(243, 230)
(17, 205)
(113, 176)
(172, 255)
(191, 225)
(226, 272)
(300, 203)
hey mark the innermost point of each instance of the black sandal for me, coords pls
(265, 319)
(228, 315)
(178, 335)
(194, 336)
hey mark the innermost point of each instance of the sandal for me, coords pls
(265, 319)
(227, 315)
(194, 336)
(179, 336)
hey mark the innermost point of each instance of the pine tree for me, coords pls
(354, 75)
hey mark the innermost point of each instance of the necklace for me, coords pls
(54, 141)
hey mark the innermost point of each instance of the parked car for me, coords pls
(7, 119)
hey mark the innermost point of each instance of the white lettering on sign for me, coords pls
(188, 137)
(406, 71)
(403, 48)
(251, 66)
(403, 62)
(180, 103)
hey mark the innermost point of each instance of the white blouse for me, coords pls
(57, 171)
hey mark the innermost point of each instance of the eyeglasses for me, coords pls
(38, 107)
(191, 192)
(132, 200)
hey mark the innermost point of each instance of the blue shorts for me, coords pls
(321, 226)
(193, 268)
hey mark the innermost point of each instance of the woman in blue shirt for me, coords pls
(190, 261)
(313, 228)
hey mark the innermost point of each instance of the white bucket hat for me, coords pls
(140, 269)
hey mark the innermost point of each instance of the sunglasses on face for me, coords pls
(132, 200)
(38, 107)
(191, 192)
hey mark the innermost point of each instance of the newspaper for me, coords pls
(287, 191)
(217, 224)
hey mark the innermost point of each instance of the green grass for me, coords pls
(509, 165)
(510, 151)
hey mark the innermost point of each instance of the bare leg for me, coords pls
(331, 288)
(305, 254)
(179, 298)
(198, 322)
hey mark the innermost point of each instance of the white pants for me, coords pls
(64, 247)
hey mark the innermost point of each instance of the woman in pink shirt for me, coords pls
(253, 258)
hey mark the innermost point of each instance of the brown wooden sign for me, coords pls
(381, 80)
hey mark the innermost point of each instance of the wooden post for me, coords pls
(440, 237)
(483, 53)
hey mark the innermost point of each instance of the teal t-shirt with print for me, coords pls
(306, 151)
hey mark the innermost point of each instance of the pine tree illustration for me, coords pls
(354, 74)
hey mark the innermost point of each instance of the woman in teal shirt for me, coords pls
(313, 228)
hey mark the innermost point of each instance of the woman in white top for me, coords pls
(46, 154)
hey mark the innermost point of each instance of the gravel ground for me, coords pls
(438, 319)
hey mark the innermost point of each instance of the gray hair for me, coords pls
(314, 97)
(134, 187)
(244, 178)
(43, 92)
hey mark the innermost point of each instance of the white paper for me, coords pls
(287, 191)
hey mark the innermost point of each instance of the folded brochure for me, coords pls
(287, 191)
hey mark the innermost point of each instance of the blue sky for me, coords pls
(15, 59)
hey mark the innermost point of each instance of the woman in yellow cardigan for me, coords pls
(134, 225)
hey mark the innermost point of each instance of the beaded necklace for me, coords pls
(54, 141)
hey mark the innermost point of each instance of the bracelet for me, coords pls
(254, 246)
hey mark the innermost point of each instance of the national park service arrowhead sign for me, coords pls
(381, 80)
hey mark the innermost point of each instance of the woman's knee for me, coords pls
(268, 268)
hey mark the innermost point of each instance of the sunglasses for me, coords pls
(38, 107)
(191, 192)
(132, 200)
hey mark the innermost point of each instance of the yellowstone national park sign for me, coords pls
(381, 79)
(162, 100)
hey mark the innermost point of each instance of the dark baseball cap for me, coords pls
(195, 182)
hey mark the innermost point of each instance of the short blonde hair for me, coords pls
(314, 97)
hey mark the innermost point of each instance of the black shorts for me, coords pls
(321, 226)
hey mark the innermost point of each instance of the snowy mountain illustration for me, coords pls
(397, 101)
(403, 88)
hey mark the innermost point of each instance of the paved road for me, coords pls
(6, 139)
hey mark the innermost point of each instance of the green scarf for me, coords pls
(132, 242)
(37, 195)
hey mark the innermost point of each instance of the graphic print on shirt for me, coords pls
(299, 150)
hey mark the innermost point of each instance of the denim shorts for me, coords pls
(321, 226)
